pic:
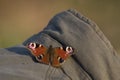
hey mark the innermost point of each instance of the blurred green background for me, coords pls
(20, 19)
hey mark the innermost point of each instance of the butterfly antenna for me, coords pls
(65, 73)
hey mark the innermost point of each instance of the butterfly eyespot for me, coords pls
(40, 57)
(61, 60)
(32, 45)
(69, 49)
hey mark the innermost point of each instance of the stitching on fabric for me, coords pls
(94, 27)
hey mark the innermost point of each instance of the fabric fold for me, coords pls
(94, 57)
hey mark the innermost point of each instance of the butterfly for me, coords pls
(51, 56)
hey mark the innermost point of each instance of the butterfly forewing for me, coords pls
(61, 53)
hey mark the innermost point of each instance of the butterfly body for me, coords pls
(51, 56)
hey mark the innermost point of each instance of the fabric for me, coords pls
(94, 57)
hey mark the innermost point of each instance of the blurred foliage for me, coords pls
(20, 19)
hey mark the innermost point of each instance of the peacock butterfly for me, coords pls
(53, 56)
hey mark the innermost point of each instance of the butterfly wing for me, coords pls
(39, 52)
(54, 56)
(60, 55)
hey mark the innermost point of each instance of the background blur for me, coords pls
(20, 19)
